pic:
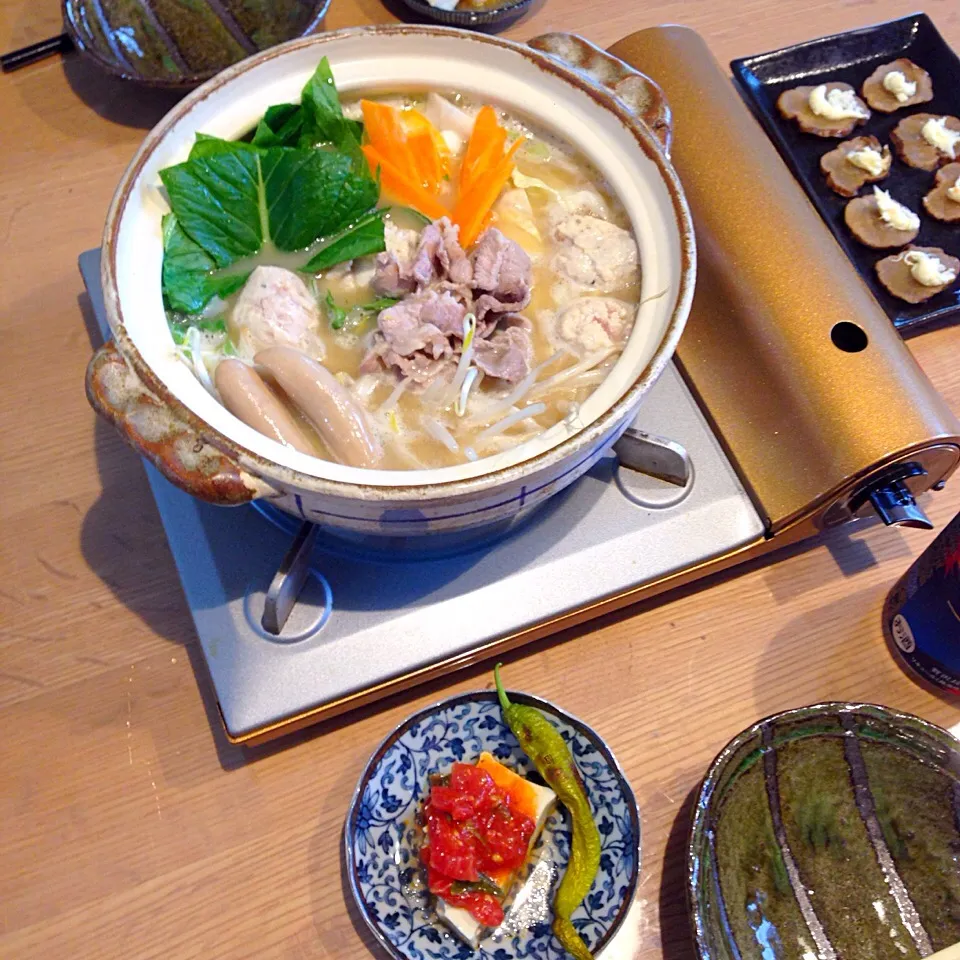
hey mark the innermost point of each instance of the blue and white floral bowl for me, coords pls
(380, 831)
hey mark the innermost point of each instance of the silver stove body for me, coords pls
(363, 621)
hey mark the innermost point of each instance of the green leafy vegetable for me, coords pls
(230, 197)
(381, 303)
(317, 119)
(206, 145)
(216, 199)
(362, 239)
(186, 266)
(281, 126)
(311, 194)
(188, 277)
(339, 318)
(323, 119)
(336, 315)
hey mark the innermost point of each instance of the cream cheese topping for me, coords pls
(954, 192)
(927, 269)
(837, 104)
(895, 214)
(896, 83)
(871, 160)
(936, 132)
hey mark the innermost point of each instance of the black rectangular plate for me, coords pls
(851, 57)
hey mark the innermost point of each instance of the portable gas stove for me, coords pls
(793, 406)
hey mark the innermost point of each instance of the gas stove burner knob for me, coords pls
(895, 504)
(891, 497)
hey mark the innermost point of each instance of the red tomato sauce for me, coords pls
(474, 832)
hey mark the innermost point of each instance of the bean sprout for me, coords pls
(400, 448)
(434, 393)
(588, 379)
(440, 433)
(196, 360)
(365, 386)
(469, 333)
(517, 394)
(460, 407)
(588, 363)
(533, 410)
(391, 402)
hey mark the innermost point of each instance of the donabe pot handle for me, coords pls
(157, 432)
(635, 90)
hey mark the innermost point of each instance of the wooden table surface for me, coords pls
(129, 826)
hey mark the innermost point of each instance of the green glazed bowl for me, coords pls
(181, 43)
(829, 832)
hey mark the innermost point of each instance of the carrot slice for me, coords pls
(400, 187)
(473, 206)
(427, 149)
(484, 148)
(412, 143)
(425, 161)
(416, 122)
(491, 155)
(484, 128)
(387, 135)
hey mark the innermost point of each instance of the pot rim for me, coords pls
(269, 470)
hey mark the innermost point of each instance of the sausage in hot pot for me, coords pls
(247, 397)
(339, 419)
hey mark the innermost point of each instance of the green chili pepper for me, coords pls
(542, 743)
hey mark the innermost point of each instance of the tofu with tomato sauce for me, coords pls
(480, 823)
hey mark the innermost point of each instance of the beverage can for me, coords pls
(921, 617)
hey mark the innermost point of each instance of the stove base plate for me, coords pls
(366, 626)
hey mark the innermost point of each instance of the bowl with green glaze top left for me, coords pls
(180, 45)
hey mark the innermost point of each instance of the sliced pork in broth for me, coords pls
(466, 285)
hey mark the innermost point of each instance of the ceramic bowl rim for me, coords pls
(473, 696)
(706, 790)
(270, 470)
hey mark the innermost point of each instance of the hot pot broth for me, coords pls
(530, 316)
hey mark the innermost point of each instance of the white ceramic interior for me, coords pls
(367, 63)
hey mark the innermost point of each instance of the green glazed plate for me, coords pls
(830, 832)
(181, 43)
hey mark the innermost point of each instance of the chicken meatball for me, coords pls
(589, 324)
(275, 308)
(594, 254)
